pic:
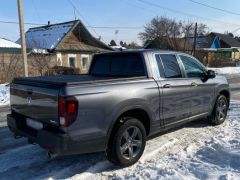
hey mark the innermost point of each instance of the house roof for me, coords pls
(50, 37)
(5, 43)
(47, 37)
(201, 41)
(227, 39)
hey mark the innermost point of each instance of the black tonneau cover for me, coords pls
(63, 80)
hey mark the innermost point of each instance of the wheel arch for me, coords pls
(136, 112)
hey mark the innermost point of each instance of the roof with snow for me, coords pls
(5, 43)
(53, 37)
(47, 37)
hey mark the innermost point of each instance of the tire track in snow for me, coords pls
(28, 162)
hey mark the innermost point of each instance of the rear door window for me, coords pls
(168, 66)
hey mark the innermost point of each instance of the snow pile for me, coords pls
(226, 70)
(4, 94)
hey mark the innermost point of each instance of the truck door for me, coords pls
(176, 95)
(202, 91)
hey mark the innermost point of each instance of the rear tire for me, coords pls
(219, 112)
(127, 142)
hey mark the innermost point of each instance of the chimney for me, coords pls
(49, 23)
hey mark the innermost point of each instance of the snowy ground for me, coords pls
(4, 95)
(227, 70)
(195, 151)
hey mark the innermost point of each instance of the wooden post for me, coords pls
(195, 40)
(22, 34)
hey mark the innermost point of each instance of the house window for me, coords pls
(85, 61)
(72, 60)
(59, 59)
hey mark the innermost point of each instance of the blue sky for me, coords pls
(131, 13)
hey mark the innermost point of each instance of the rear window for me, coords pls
(118, 65)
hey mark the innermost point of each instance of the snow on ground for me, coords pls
(4, 95)
(227, 70)
(194, 151)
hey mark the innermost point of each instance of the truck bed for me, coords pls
(64, 80)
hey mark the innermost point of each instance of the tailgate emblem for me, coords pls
(29, 101)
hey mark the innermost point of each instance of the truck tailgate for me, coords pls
(35, 102)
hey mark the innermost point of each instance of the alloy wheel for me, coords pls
(131, 142)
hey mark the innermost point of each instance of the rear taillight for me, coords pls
(67, 110)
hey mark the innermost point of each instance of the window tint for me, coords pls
(170, 66)
(101, 65)
(192, 67)
(118, 65)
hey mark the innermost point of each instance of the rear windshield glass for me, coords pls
(118, 65)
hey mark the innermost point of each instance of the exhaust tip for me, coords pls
(51, 155)
(16, 136)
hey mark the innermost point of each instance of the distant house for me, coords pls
(7, 46)
(214, 46)
(10, 55)
(70, 44)
(223, 46)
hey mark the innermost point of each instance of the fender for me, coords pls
(127, 106)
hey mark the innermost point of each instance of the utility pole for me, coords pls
(195, 40)
(22, 34)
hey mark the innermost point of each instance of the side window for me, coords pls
(168, 66)
(192, 67)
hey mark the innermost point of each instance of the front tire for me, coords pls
(219, 113)
(127, 142)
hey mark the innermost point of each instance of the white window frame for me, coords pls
(88, 58)
(59, 58)
(72, 56)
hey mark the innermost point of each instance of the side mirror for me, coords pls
(211, 74)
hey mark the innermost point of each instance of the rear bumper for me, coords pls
(57, 143)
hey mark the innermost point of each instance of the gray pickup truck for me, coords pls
(126, 97)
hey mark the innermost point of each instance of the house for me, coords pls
(7, 46)
(10, 56)
(211, 47)
(67, 44)
(223, 46)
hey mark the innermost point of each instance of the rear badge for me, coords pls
(29, 101)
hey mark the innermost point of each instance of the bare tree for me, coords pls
(40, 59)
(10, 66)
(169, 33)
(42, 62)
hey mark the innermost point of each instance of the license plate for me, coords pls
(34, 124)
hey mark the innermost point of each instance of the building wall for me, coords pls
(11, 64)
(82, 61)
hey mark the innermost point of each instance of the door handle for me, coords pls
(194, 84)
(166, 86)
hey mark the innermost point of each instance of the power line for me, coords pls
(115, 27)
(27, 23)
(95, 27)
(216, 8)
(73, 5)
(183, 13)
(35, 8)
